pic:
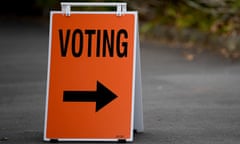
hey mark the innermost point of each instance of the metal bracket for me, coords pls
(121, 8)
(66, 9)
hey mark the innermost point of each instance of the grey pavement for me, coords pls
(184, 102)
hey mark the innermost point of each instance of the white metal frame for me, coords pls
(121, 7)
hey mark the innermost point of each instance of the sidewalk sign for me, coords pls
(94, 75)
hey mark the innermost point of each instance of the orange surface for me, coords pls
(79, 120)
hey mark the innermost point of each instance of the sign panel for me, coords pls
(91, 76)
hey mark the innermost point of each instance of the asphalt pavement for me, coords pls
(184, 102)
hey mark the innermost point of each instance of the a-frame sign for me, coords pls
(94, 75)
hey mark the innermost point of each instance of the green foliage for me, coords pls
(146, 27)
(183, 16)
(236, 5)
(218, 17)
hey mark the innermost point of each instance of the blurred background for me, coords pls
(190, 52)
(209, 24)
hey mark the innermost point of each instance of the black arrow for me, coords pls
(102, 96)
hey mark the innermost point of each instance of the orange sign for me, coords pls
(90, 90)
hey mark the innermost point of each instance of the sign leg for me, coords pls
(138, 108)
